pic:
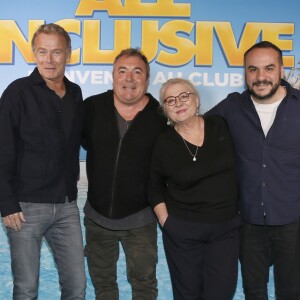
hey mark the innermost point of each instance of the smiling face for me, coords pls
(130, 80)
(181, 112)
(51, 55)
(263, 73)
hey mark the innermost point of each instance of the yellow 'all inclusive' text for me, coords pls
(169, 42)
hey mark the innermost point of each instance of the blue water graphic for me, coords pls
(49, 288)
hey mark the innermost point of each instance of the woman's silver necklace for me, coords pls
(187, 147)
(193, 155)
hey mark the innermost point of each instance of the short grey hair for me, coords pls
(52, 28)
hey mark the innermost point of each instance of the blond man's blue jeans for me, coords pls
(59, 224)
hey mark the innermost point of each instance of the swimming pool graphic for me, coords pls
(49, 288)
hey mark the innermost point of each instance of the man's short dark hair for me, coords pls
(265, 45)
(135, 52)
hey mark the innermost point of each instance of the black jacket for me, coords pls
(118, 170)
(37, 162)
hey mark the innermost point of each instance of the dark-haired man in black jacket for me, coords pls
(120, 128)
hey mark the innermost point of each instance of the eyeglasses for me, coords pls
(183, 97)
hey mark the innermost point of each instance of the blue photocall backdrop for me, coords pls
(202, 41)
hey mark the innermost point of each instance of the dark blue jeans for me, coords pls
(59, 224)
(263, 246)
